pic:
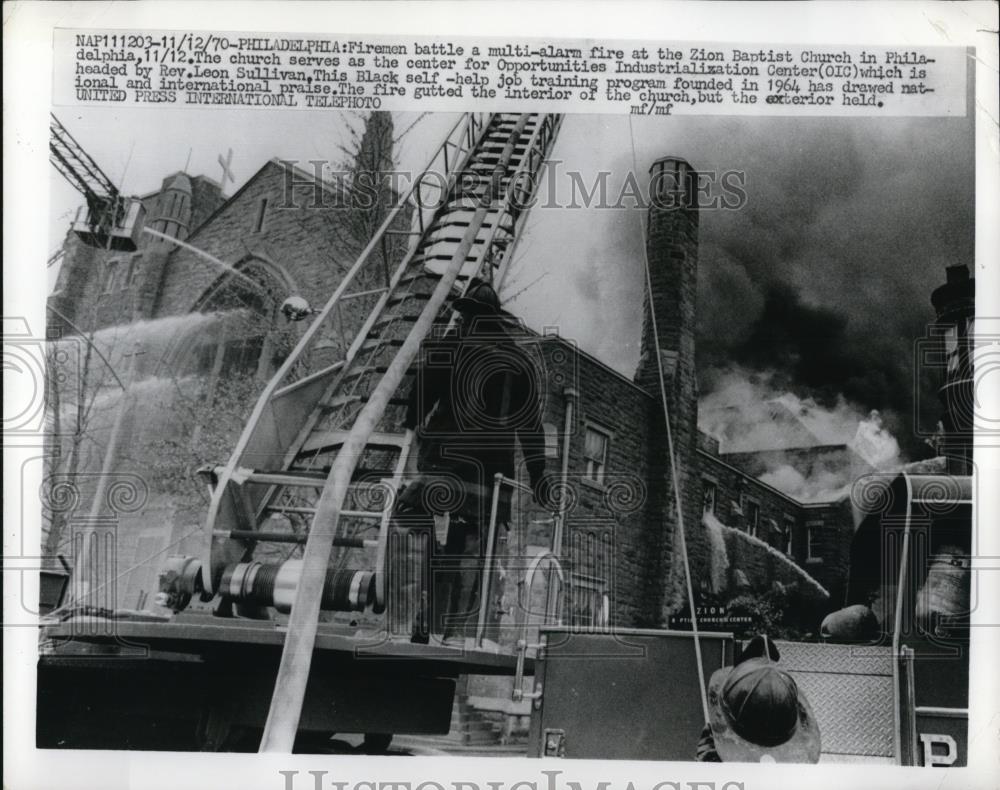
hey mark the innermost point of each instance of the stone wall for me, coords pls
(669, 323)
(824, 546)
(295, 237)
(618, 514)
(820, 534)
(761, 565)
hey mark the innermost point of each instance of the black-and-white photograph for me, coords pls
(500, 433)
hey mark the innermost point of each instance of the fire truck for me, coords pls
(268, 652)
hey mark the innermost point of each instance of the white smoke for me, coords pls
(827, 485)
(746, 413)
(875, 444)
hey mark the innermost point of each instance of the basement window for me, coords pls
(595, 454)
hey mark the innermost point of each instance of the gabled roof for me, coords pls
(332, 188)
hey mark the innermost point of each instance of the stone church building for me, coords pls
(194, 315)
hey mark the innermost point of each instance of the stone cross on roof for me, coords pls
(226, 164)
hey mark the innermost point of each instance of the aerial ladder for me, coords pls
(113, 220)
(323, 452)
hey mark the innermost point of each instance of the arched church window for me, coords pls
(241, 336)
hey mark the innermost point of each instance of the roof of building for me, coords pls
(304, 176)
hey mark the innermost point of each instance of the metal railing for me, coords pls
(490, 565)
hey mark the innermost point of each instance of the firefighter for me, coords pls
(757, 713)
(476, 392)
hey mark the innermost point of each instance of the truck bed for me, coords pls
(202, 682)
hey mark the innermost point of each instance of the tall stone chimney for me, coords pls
(669, 317)
(955, 305)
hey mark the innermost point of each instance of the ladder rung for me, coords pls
(363, 513)
(438, 260)
(343, 400)
(455, 239)
(485, 172)
(446, 255)
(418, 275)
(375, 342)
(364, 370)
(457, 205)
(464, 223)
(286, 478)
(415, 273)
(395, 300)
(379, 369)
(503, 129)
(498, 146)
(340, 400)
(369, 292)
(332, 439)
(406, 318)
(290, 478)
(509, 124)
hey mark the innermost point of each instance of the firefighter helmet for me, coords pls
(757, 713)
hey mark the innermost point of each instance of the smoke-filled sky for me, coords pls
(821, 281)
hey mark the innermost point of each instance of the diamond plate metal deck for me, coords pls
(850, 688)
